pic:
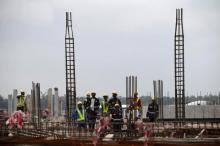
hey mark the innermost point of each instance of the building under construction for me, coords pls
(164, 131)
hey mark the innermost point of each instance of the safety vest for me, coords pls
(20, 102)
(136, 106)
(104, 107)
(81, 115)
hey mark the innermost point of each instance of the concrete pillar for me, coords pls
(15, 94)
(49, 99)
(56, 102)
(28, 103)
(37, 102)
(10, 105)
(158, 95)
(36, 106)
(33, 110)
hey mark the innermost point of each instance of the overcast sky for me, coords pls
(113, 39)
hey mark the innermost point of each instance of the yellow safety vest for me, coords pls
(136, 107)
(20, 102)
(81, 115)
(104, 108)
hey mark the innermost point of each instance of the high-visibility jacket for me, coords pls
(105, 107)
(21, 101)
(137, 103)
(81, 114)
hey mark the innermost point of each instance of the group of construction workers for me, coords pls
(87, 112)
(91, 109)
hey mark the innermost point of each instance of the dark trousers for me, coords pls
(92, 120)
(20, 108)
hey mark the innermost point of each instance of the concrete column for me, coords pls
(37, 102)
(56, 102)
(10, 105)
(49, 99)
(15, 94)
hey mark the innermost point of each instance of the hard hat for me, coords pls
(153, 98)
(79, 102)
(135, 93)
(116, 105)
(88, 94)
(105, 95)
(114, 92)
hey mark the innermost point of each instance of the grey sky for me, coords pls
(113, 39)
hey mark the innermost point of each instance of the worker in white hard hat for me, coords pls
(152, 112)
(114, 100)
(93, 112)
(21, 101)
(87, 102)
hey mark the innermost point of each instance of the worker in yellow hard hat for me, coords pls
(136, 107)
(80, 117)
(152, 112)
(105, 106)
(114, 100)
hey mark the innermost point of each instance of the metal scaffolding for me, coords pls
(179, 66)
(70, 67)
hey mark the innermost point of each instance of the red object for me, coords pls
(16, 118)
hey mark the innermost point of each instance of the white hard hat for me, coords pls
(153, 98)
(87, 93)
(116, 104)
(79, 102)
(114, 92)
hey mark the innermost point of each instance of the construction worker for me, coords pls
(113, 101)
(136, 107)
(117, 118)
(105, 106)
(21, 101)
(93, 111)
(87, 103)
(79, 116)
(152, 112)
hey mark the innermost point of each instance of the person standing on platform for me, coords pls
(114, 100)
(105, 106)
(80, 118)
(136, 107)
(152, 112)
(21, 102)
(94, 112)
